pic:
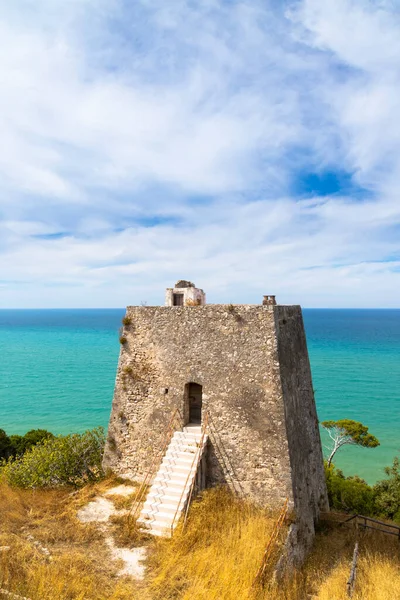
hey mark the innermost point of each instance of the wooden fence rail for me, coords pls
(375, 524)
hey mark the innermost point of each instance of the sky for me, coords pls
(250, 146)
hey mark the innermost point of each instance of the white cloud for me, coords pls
(115, 118)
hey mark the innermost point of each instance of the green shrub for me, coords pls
(6, 446)
(349, 493)
(355, 495)
(16, 445)
(23, 443)
(387, 493)
(126, 321)
(123, 339)
(65, 460)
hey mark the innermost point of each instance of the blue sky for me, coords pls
(250, 146)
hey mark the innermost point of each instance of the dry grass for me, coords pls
(218, 554)
(215, 558)
(378, 578)
(378, 574)
(127, 533)
(79, 566)
(122, 502)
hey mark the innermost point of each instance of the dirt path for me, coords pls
(99, 511)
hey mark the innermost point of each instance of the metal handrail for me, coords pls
(197, 455)
(216, 440)
(203, 434)
(154, 465)
(271, 542)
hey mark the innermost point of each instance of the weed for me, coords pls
(126, 531)
(112, 444)
(191, 302)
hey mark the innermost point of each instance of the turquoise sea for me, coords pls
(57, 371)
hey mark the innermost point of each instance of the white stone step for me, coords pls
(164, 503)
(160, 517)
(163, 499)
(164, 496)
(153, 511)
(159, 530)
(160, 490)
(175, 477)
(185, 457)
(178, 460)
(175, 469)
(185, 440)
(184, 451)
(186, 437)
(179, 454)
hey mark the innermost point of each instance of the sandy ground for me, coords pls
(99, 511)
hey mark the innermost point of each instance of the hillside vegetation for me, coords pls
(53, 556)
(48, 554)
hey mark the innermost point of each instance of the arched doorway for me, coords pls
(193, 397)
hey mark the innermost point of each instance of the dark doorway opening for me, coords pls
(194, 395)
(178, 299)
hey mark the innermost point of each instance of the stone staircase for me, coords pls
(170, 489)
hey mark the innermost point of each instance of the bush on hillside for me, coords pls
(351, 494)
(22, 443)
(15, 445)
(5, 445)
(387, 493)
(65, 460)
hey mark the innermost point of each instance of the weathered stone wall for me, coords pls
(306, 460)
(232, 352)
(252, 364)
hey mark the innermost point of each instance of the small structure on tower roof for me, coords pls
(185, 293)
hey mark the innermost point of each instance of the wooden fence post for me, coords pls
(353, 571)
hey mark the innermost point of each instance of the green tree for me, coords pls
(5, 445)
(349, 493)
(348, 432)
(65, 460)
(387, 493)
(23, 443)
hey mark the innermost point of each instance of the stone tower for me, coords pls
(247, 366)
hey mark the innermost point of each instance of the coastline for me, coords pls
(59, 370)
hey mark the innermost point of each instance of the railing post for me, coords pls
(353, 571)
